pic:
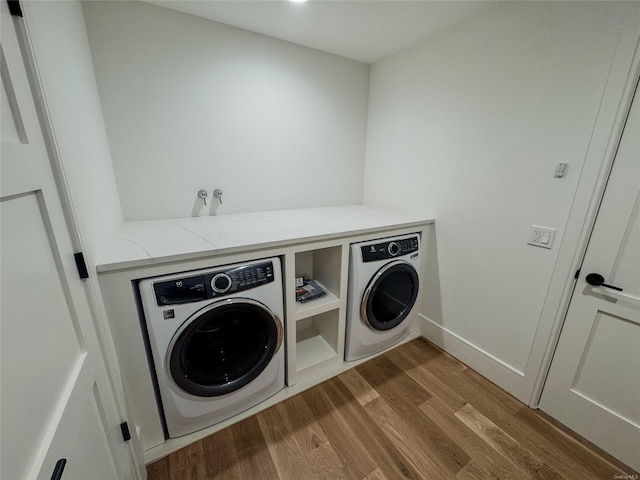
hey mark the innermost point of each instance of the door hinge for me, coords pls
(14, 8)
(577, 273)
(82, 265)
(126, 434)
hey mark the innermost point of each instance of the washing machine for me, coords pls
(214, 341)
(382, 291)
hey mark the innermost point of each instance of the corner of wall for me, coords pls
(487, 365)
(64, 61)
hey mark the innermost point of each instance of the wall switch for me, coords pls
(541, 236)
(561, 170)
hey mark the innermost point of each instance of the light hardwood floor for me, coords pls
(414, 412)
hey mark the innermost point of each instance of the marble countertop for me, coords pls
(150, 242)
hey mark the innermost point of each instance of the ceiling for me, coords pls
(363, 30)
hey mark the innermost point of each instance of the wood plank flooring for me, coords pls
(414, 412)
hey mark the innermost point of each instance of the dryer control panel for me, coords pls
(213, 284)
(389, 249)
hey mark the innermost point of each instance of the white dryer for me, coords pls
(214, 341)
(383, 288)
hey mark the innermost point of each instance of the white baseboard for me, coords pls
(502, 374)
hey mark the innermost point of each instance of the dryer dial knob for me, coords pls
(221, 283)
(393, 249)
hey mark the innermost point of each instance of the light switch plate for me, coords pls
(541, 236)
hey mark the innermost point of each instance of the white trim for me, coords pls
(489, 366)
(612, 114)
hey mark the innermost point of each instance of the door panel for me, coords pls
(39, 352)
(56, 397)
(81, 436)
(623, 271)
(593, 385)
(596, 358)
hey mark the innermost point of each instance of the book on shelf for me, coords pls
(308, 289)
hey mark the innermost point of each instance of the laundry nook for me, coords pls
(317, 239)
(242, 307)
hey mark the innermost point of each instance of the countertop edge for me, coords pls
(151, 261)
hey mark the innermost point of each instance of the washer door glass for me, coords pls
(390, 295)
(224, 347)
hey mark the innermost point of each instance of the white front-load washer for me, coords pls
(214, 341)
(383, 288)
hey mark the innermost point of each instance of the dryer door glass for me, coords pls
(224, 347)
(388, 299)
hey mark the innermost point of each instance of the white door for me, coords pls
(593, 386)
(57, 405)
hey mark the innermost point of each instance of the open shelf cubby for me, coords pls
(317, 340)
(322, 265)
(316, 306)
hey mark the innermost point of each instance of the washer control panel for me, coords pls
(389, 249)
(213, 284)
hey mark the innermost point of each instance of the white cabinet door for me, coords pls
(593, 386)
(56, 399)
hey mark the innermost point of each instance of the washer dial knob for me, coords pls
(393, 249)
(221, 283)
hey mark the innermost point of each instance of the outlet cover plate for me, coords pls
(561, 170)
(541, 236)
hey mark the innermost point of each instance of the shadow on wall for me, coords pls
(431, 307)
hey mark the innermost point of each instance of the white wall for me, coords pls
(192, 104)
(64, 62)
(468, 125)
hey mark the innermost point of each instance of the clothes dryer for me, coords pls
(214, 341)
(383, 288)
